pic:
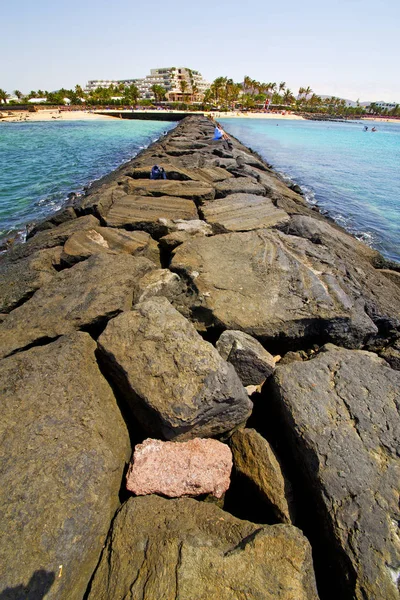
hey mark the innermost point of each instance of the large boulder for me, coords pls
(148, 213)
(176, 383)
(341, 416)
(64, 448)
(195, 551)
(175, 469)
(256, 462)
(283, 288)
(108, 240)
(83, 297)
(20, 279)
(243, 212)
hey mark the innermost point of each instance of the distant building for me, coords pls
(386, 105)
(180, 83)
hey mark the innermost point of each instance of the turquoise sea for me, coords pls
(42, 162)
(352, 175)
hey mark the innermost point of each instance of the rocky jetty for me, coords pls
(240, 350)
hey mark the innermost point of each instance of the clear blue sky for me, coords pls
(348, 48)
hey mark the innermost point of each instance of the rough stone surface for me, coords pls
(20, 279)
(108, 240)
(176, 383)
(52, 237)
(99, 200)
(243, 185)
(147, 213)
(321, 232)
(392, 355)
(63, 449)
(193, 550)
(255, 460)
(84, 296)
(243, 212)
(61, 216)
(280, 287)
(392, 275)
(341, 412)
(252, 362)
(160, 282)
(191, 190)
(175, 469)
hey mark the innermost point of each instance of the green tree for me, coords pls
(3, 96)
(159, 92)
(18, 94)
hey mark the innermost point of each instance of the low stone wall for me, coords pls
(213, 304)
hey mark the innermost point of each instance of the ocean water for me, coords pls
(354, 176)
(42, 162)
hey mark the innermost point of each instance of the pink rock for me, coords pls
(174, 469)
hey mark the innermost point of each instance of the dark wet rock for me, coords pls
(392, 355)
(61, 216)
(20, 279)
(255, 461)
(252, 362)
(243, 212)
(242, 185)
(341, 414)
(64, 447)
(108, 240)
(194, 550)
(283, 288)
(147, 213)
(83, 297)
(176, 383)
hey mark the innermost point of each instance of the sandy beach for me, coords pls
(255, 115)
(51, 115)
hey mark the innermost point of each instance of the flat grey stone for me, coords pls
(243, 212)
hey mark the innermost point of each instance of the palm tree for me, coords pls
(159, 92)
(3, 96)
(288, 97)
(184, 86)
(282, 86)
(18, 94)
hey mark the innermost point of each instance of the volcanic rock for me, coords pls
(108, 240)
(177, 384)
(243, 185)
(280, 287)
(341, 415)
(243, 212)
(64, 447)
(21, 278)
(255, 460)
(147, 213)
(252, 362)
(83, 297)
(175, 469)
(167, 549)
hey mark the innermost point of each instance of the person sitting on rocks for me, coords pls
(219, 134)
(158, 173)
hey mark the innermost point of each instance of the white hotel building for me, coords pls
(170, 78)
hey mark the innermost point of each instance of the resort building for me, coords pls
(180, 83)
